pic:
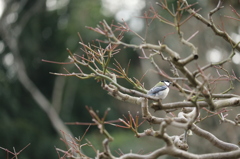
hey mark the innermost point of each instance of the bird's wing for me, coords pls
(155, 90)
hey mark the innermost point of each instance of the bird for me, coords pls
(160, 90)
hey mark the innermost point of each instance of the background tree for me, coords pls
(34, 30)
(32, 101)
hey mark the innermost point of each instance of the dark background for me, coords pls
(43, 30)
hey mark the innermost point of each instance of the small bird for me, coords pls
(160, 90)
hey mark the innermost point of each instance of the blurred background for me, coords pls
(35, 105)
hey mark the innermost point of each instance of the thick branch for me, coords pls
(235, 101)
(213, 139)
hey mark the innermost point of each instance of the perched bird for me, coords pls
(160, 90)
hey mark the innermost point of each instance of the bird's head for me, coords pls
(164, 82)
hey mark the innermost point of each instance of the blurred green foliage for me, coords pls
(46, 36)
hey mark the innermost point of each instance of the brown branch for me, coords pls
(213, 139)
(234, 101)
(210, 24)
